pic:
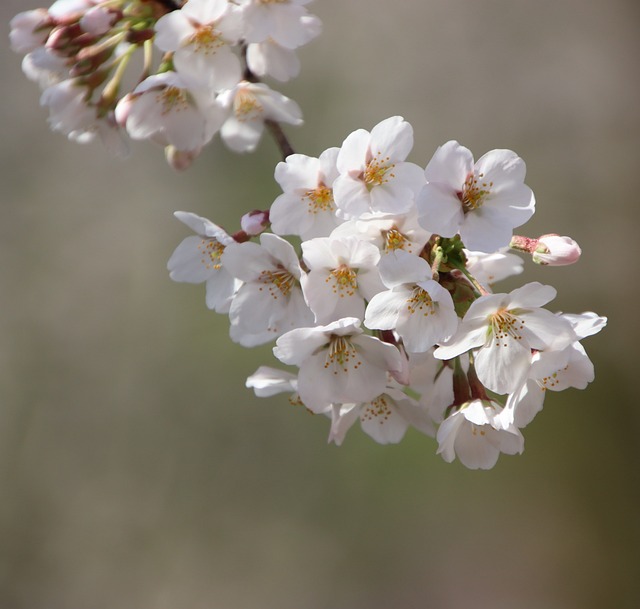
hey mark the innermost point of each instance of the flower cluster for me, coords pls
(386, 310)
(387, 316)
(203, 79)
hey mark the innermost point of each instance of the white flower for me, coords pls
(199, 35)
(268, 58)
(416, 307)
(267, 382)
(374, 176)
(249, 105)
(555, 250)
(69, 109)
(471, 435)
(306, 207)
(554, 370)
(490, 268)
(198, 260)
(44, 67)
(505, 328)
(287, 22)
(339, 364)
(165, 109)
(385, 418)
(389, 233)
(483, 202)
(269, 302)
(342, 275)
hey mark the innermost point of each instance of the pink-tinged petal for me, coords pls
(544, 330)
(533, 294)
(478, 232)
(343, 416)
(586, 324)
(392, 138)
(204, 11)
(267, 381)
(503, 365)
(391, 198)
(403, 267)
(328, 167)
(466, 338)
(298, 172)
(246, 261)
(450, 166)
(353, 152)
(351, 196)
(172, 29)
(501, 165)
(440, 210)
(296, 346)
(241, 136)
(189, 262)
(381, 421)
(382, 311)
(219, 291)
(282, 251)
(410, 175)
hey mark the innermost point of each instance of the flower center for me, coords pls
(420, 301)
(377, 409)
(341, 355)
(505, 326)
(320, 199)
(345, 282)
(211, 251)
(474, 192)
(279, 282)
(173, 99)
(375, 173)
(206, 39)
(246, 105)
(394, 240)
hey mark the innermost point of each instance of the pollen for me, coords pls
(506, 326)
(246, 106)
(211, 251)
(206, 40)
(278, 282)
(474, 192)
(341, 355)
(420, 302)
(345, 281)
(378, 171)
(377, 409)
(319, 200)
(173, 99)
(394, 240)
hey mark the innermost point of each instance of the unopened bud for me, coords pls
(98, 20)
(555, 250)
(255, 222)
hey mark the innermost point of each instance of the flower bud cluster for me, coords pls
(202, 61)
(387, 311)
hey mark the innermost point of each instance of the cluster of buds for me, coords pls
(203, 79)
(386, 310)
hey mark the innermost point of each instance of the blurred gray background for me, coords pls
(136, 470)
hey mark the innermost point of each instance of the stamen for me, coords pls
(376, 171)
(211, 250)
(173, 99)
(474, 192)
(320, 199)
(341, 355)
(279, 282)
(345, 281)
(394, 240)
(421, 301)
(206, 40)
(505, 326)
(377, 409)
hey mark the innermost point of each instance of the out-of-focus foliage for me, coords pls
(136, 470)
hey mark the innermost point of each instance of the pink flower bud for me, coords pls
(180, 160)
(98, 20)
(254, 222)
(554, 250)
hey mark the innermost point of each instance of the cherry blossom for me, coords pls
(198, 259)
(482, 202)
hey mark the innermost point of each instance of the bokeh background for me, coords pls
(137, 472)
